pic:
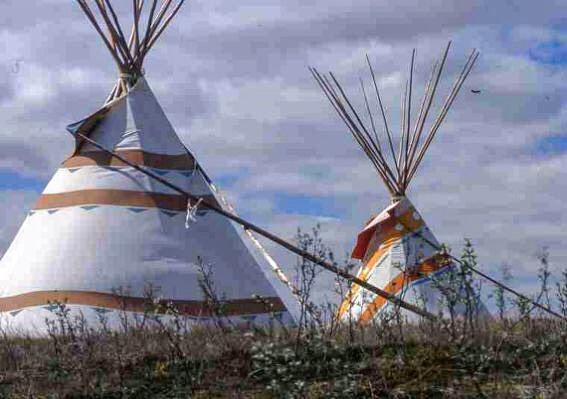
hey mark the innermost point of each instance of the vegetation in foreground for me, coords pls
(518, 353)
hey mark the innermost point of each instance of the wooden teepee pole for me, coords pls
(383, 113)
(377, 153)
(359, 139)
(117, 30)
(149, 22)
(422, 115)
(156, 22)
(370, 115)
(266, 234)
(446, 106)
(403, 182)
(135, 28)
(165, 24)
(420, 125)
(403, 115)
(86, 9)
(409, 152)
(336, 103)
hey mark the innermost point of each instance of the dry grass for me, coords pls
(495, 359)
(520, 356)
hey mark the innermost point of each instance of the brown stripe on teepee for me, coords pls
(127, 198)
(138, 157)
(233, 307)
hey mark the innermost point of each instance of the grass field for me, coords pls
(518, 353)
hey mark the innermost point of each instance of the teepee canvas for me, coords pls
(102, 233)
(398, 252)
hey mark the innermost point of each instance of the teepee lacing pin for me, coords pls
(192, 212)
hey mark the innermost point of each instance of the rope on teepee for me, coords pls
(271, 261)
(192, 212)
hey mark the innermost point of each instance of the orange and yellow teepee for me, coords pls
(398, 252)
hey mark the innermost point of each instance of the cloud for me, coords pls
(233, 79)
(14, 205)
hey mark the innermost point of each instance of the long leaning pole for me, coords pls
(266, 234)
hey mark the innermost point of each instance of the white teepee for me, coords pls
(102, 232)
(399, 254)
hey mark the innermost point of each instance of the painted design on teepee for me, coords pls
(51, 307)
(101, 311)
(201, 212)
(89, 207)
(137, 210)
(110, 194)
(249, 319)
(397, 251)
(278, 316)
(169, 213)
(397, 256)
(160, 172)
(82, 260)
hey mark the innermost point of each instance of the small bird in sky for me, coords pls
(17, 66)
(475, 91)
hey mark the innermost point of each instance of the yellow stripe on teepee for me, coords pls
(407, 224)
(403, 279)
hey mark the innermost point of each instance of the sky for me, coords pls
(233, 79)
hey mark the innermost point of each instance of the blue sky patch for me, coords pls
(11, 180)
(306, 205)
(225, 181)
(551, 145)
(552, 52)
